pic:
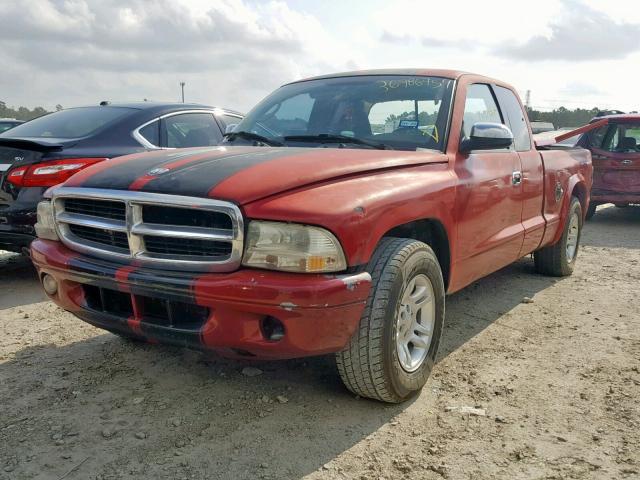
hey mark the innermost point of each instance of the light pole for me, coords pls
(182, 87)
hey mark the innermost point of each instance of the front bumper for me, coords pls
(319, 313)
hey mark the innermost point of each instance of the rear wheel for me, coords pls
(558, 260)
(391, 355)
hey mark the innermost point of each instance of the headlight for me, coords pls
(45, 226)
(292, 248)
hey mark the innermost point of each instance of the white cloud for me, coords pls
(233, 52)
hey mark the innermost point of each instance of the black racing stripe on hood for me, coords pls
(120, 176)
(198, 178)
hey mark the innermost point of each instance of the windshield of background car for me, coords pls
(618, 137)
(71, 123)
(403, 112)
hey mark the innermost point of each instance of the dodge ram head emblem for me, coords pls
(157, 171)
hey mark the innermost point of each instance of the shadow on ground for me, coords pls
(621, 224)
(18, 281)
(200, 415)
(115, 409)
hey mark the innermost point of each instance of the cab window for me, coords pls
(479, 106)
(516, 117)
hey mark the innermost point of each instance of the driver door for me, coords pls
(488, 201)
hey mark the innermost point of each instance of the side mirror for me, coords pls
(230, 128)
(487, 136)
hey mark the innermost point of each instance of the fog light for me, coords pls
(49, 284)
(272, 329)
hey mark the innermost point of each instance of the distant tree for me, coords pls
(22, 113)
(59, 107)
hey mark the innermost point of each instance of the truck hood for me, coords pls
(242, 174)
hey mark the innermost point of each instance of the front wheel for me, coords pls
(591, 210)
(391, 355)
(558, 260)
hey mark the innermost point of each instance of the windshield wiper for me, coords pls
(253, 136)
(330, 138)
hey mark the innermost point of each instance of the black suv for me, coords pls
(48, 150)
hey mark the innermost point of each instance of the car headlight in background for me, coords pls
(45, 226)
(292, 248)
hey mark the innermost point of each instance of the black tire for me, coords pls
(591, 211)
(554, 259)
(369, 366)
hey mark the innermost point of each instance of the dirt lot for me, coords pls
(556, 382)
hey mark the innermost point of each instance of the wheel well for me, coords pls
(431, 232)
(580, 192)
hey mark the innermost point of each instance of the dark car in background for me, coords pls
(9, 123)
(48, 150)
(615, 149)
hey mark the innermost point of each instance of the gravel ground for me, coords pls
(546, 389)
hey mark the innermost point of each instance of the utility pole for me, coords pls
(182, 87)
(527, 101)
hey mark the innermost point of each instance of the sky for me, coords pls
(232, 53)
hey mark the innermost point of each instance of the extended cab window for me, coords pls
(479, 106)
(516, 117)
(190, 130)
(618, 137)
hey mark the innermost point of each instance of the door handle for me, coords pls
(516, 177)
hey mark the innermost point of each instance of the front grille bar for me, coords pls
(136, 229)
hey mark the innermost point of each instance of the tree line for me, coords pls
(563, 117)
(23, 113)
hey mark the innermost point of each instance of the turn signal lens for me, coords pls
(48, 174)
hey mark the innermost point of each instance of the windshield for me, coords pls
(396, 111)
(71, 123)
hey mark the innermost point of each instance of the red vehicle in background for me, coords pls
(615, 150)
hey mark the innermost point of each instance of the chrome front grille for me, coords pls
(156, 230)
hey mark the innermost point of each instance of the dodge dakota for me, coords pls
(334, 219)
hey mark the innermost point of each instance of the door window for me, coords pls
(480, 106)
(190, 130)
(516, 117)
(618, 137)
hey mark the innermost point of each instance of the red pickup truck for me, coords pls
(334, 219)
